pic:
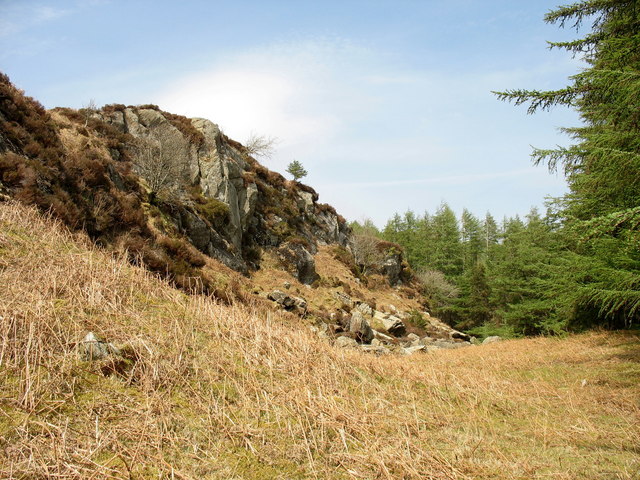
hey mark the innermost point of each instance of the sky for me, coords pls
(386, 103)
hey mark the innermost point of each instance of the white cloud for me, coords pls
(299, 93)
(243, 100)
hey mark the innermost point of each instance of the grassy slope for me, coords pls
(322, 296)
(236, 392)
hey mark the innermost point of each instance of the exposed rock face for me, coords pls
(413, 349)
(392, 267)
(288, 302)
(263, 209)
(460, 336)
(344, 298)
(206, 238)
(299, 261)
(394, 325)
(359, 326)
(365, 309)
(345, 342)
(219, 171)
(329, 229)
(390, 323)
(93, 347)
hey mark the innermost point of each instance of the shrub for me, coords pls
(388, 248)
(416, 318)
(184, 125)
(12, 168)
(148, 106)
(326, 208)
(297, 240)
(345, 257)
(252, 254)
(248, 177)
(212, 209)
(181, 250)
(436, 286)
(260, 145)
(275, 179)
(114, 107)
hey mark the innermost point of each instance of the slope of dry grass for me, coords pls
(216, 392)
(334, 277)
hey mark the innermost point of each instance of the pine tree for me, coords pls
(524, 289)
(446, 247)
(296, 170)
(472, 245)
(602, 210)
(490, 236)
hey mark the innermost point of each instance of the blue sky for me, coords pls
(386, 103)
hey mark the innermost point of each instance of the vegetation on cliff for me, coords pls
(123, 175)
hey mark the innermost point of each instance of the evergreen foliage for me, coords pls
(578, 265)
(603, 166)
(296, 170)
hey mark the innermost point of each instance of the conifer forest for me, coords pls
(576, 265)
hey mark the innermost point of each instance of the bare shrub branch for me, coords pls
(366, 252)
(88, 109)
(158, 163)
(261, 145)
(436, 286)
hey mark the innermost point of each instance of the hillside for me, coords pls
(170, 308)
(205, 390)
(179, 197)
(159, 185)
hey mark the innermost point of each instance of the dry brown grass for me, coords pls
(216, 392)
(332, 271)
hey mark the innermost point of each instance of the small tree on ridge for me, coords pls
(296, 170)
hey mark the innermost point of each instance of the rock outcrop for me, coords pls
(298, 261)
(491, 339)
(258, 208)
(390, 323)
(289, 302)
(359, 326)
(93, 347)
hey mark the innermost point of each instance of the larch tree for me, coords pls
(602, 167)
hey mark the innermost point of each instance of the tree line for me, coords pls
(477, 274)
(578, 265)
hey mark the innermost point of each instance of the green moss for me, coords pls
(214, 209)
(282, 229)
(211, 208)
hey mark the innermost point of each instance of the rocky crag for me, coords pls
(255, 207)
(186, 201)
